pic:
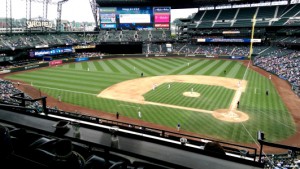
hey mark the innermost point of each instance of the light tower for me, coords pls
(94, 7)
(59, 10)
(8, 18)
(45, 8)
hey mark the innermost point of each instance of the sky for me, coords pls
(73, 10)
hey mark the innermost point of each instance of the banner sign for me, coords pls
(55, 62)
(84, 46)
(238, 57)
(34, 24)
(81, 59)
(229, 40)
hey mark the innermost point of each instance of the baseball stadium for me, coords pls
(135, 89)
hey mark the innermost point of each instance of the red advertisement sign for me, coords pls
(55, 62)
(161, 17)
(162, 25)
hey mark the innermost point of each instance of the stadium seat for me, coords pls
(111, 158)
(39, 142)
(6, 147)
(144, 165)
(94, 162)
(119, 165)
(21, 139)
(59, 155)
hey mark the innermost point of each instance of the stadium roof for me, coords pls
(173, 3)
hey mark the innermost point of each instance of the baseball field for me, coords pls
(199, 94)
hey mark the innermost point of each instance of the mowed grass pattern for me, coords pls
(207, 100)
(78, 86)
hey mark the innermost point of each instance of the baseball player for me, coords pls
(178, 126)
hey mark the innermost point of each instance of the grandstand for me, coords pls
(39, 129)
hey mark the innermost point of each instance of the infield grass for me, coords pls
(78, 86)
(208, 100)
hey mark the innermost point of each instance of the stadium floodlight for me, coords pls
(260, 136)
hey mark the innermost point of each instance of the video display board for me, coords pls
(50, 52)
(134, 17)
(108, 18)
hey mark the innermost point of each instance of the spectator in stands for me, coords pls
(65, 157)
(284, 63)
(7, 89)
(214, 147)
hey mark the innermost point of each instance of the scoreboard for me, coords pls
(134, 17)
(162, 17)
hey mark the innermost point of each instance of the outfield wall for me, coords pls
(71, 60)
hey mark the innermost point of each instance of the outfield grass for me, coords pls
(78, 86)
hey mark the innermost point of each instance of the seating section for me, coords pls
(21, 41)
(292, 11)
(243, 23)
(7, 89)
(198, 16)
(28, 149)
(214, 50)
(246, 13)
(284, 63)
(287, 40)
(227, 14)
(222, 24)
(210, 15)
(266, 12)
(241, 17)
(210, 50)
(285, 160)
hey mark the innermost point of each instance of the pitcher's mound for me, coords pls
(191, 94)
(230, 116)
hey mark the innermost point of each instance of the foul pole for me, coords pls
(252, 36)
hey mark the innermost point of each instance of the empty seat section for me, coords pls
(292, 11)
(227, 14)
(222, 25)
(198, 16)
(205, 25)
(242, 23)
(210, 15)
(246, 13)
(266, 12)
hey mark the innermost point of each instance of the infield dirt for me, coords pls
(133, 91)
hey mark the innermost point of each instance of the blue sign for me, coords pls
(238, 57)
(162, 9)
(50, 52)
(81, 59)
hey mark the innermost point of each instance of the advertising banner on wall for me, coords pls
(55, 62)
(238, 57)
(81, 59)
